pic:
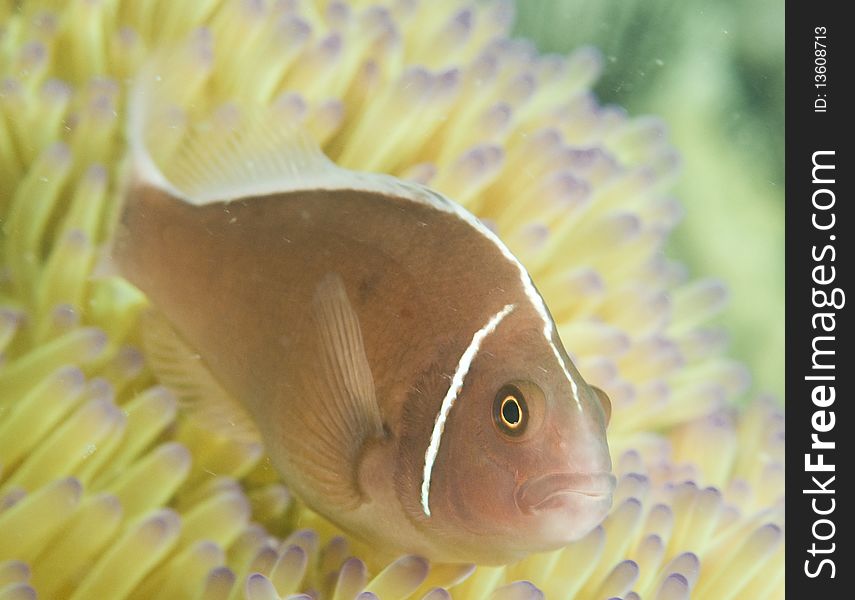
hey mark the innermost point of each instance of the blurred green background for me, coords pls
(714, 71)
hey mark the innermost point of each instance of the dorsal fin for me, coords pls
(238, 151)
(256, 155)
(185, 373)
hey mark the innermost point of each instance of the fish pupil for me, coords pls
(511, 411)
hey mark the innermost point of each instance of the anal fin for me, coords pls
(185, 373)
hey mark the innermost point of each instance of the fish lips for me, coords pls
(557, 490)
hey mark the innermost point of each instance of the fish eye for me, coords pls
(510, 412)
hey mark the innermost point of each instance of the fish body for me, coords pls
(396, 360)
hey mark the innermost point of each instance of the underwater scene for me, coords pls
(471, 299)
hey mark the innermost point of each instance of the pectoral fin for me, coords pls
(342, 414)
(183, 371)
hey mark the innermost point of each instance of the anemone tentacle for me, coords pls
(106, 490)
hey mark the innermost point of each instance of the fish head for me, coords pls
(526, 466)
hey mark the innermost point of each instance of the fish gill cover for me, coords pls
(107, 491)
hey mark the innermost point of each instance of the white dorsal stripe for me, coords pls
(451, 395)
(533, 295)
(528, 286)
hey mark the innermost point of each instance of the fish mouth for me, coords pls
(555, 490)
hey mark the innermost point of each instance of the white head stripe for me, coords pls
(451, 395)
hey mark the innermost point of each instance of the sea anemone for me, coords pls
(108, 491)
